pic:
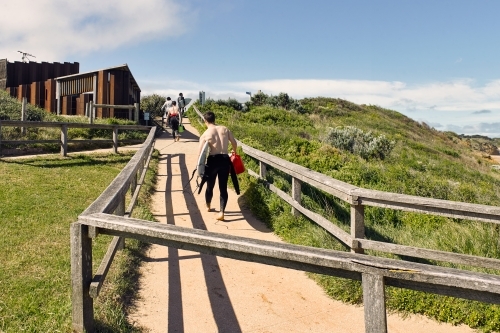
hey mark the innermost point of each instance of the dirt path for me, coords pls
(183, 291)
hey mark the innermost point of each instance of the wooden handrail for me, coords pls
(64, 132)
(374, 272)
(359, 197)
(85, 286)
(16, 123)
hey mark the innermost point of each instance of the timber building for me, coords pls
(60, 88)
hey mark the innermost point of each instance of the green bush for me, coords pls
(360, 143)
(420, 161)
(230, 102)
(282, 101)
(10, 109)
(152, 104)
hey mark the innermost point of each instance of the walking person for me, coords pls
(167, 105)
(182, 104)
(218, 161)
(174, 120)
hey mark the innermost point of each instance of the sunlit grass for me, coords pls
(39, 199)
(424, 162)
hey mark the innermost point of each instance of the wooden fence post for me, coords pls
(374, 303)
(262, 170)
(296, 186)
(115, 140)
(136, 113)
(133, 183)
(23, 115)
(357, 226)
(81, 277)
(91, 112)
(120, 211)
(64, 140)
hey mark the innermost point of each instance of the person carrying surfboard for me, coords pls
(218, 161)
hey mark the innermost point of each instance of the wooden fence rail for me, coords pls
(358, 198)
(64, 133)
(86, 286)
(374, 272)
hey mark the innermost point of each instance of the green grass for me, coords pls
(423, 162)
(40, 198)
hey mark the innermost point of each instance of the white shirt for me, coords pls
(167, 105)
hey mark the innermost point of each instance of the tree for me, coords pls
(152, 104)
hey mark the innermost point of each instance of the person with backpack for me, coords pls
(182, 103)
(174, 120)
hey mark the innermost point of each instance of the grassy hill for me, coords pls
(380, 149)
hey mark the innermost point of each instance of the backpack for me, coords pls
(181, 101)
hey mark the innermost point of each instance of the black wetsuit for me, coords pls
(218, 166)
(174, 123)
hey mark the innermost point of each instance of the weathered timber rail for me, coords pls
(105, 216)
(358, 198)
(64, 133)
(85, 286)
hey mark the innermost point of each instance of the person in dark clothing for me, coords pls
(218, 161)
(181, 103)
(174, 119)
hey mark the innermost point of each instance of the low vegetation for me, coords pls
(363, 145)
(394, 154)
(40, 198)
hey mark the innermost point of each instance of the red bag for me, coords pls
(237, 163)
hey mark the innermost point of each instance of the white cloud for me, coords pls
(451, 105)
(53, 29)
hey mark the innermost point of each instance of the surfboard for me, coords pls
(202, 159)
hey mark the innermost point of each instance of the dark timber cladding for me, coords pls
(112, 86)
(34, 80)
(59, 88)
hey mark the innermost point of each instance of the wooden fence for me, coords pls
(358, 198)
(63, 142)
(90, 110)
(85, 286)
(374, 272)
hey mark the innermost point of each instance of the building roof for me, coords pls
(123, 67)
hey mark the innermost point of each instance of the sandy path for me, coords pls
(183, 291)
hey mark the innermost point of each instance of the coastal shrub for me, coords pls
(409, 158)
(356, 141)
(152, 104)
(231, 103)
(281, 101)
(10, 109)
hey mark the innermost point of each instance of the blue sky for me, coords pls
(434, 61)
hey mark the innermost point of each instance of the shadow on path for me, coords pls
(222, 309)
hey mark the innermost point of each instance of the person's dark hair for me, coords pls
(209, 117)
(174, 102)
(180, 94)
(168, 99)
